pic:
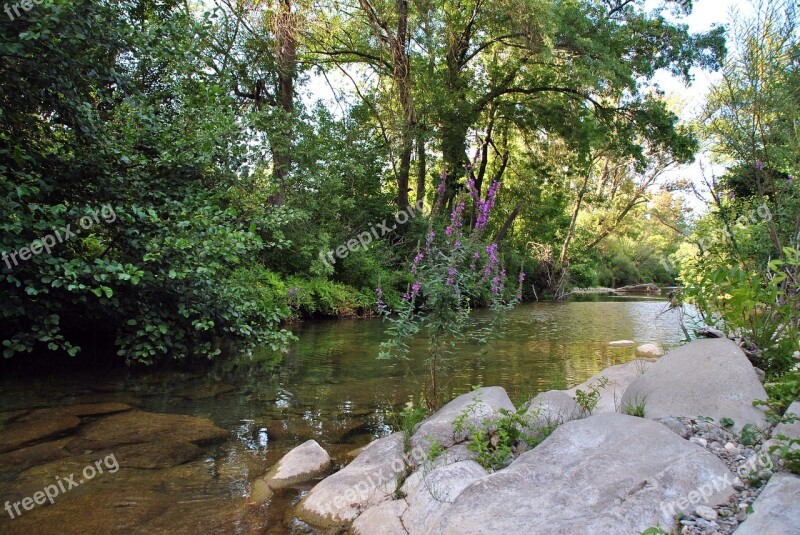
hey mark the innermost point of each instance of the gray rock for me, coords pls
(609, 473)
(762, 375)
(709, 377)
(649, 351)
(367, 481)
(676, 426)
(306, 462)
(551, 409)
(706, 513)
(619, 377)
(622, 343)
(777, 509)
(479, 406)
(383, 519)
(429, 495)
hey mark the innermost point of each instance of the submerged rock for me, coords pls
(304, 463)
(27, 431)
(709, 377)
(609, 473)
(622, 343)
(134, 427)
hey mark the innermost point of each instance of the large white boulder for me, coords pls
(472, 408)
(384, 518)
(306, 462)
(550, 409)
(429, 495)
(777, 509)
(618, 378)
(367, 481)
(710, 377)
(609, 473)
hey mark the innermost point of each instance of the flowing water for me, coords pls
(330, 388)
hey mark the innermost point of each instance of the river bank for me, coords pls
(662, 446)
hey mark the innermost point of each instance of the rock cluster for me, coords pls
(676, 444)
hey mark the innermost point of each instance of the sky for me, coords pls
(706, 14)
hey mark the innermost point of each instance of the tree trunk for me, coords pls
(422, 170)
(286, 59)
(503, 232)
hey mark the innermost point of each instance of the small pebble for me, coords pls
(706, 513)
(699, 441)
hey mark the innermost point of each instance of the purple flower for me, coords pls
(469, 167)
(485, 206)
(521, 276)
(416, 288)
(457, 244)
(381, 304)
(449, 281)
(441, 187)
(452, 271)
(760, 165)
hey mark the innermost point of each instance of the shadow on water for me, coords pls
(330, 388)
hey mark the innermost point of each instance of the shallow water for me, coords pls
(330, 388)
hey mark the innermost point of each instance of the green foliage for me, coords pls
(497, 440)
(636, 408)
(588, 400)
(760, 306)
(435, 450)
(656, 530)
(787, 447)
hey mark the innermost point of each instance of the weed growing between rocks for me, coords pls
(588, 400)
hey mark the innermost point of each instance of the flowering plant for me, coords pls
(453, 272)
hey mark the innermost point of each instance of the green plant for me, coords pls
(588, 400)
(636, 408)
(435, 450)
(409, 418)
(657, 530)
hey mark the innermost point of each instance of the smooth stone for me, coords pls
(649, 351)
(384, 519)
(708, 377)
(369, 480)
(609, 474)
(156, 455)
(777, 509)
(551, 409)
(429, 495)
(622, 343)
(619, 377)
(706, 513)
(676, 426)
(135, 426)
(27, 431)
(306, 462)
(480, 406)
(24, 458)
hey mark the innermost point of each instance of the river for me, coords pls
(330, 388)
